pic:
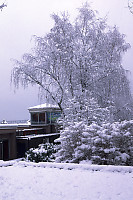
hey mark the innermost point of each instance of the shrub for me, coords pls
(113, 144)
(44, 153)
(106, 144)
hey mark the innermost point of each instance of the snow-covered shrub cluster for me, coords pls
(113, 144)
(110, 143)
(106, 144)
(44, 153)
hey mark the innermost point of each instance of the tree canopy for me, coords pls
(79, 61)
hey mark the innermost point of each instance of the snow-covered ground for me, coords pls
(46, 181)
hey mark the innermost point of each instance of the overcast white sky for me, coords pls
(22, 19)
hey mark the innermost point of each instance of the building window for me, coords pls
(41, 117)
(34, 117)
(52, 117)
(55, 116)
(48, 118)
(37, 118)
(45, 117)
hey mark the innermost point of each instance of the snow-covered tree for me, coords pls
(79, 66)
(79, 59)
(77, 131)
(2, 6)
(130, 5)
(76, 142)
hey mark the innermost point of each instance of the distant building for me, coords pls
(8, 146)
(16, 139)
(7, 142)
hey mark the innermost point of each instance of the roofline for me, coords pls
(13, 126)
(43, 110)
(36, 136)
(8, 127)
(44, 107)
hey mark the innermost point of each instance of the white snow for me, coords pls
(14, 126)
(44, 106)
(37, 136)
(21, 180)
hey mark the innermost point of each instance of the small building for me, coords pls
(8, 145)
(44, 115)
(43, 128)
(16, 139)
(7, 142)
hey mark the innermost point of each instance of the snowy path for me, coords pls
(37, 183)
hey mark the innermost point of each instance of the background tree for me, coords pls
(2, 6)
(80, 60)
(130, 5)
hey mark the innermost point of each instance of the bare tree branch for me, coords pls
(2, 6)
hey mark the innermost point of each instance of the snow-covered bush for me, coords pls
(110, 143)
(70, 139)
(44, 153)
(113, 144)
(75, 137)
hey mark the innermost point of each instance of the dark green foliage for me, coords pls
(44, 153)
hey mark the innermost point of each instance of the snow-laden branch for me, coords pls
(2, 6)
(130, 5)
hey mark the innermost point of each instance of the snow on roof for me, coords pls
(8, 126)
(37, 136)
(14, 126)
(44, 106)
